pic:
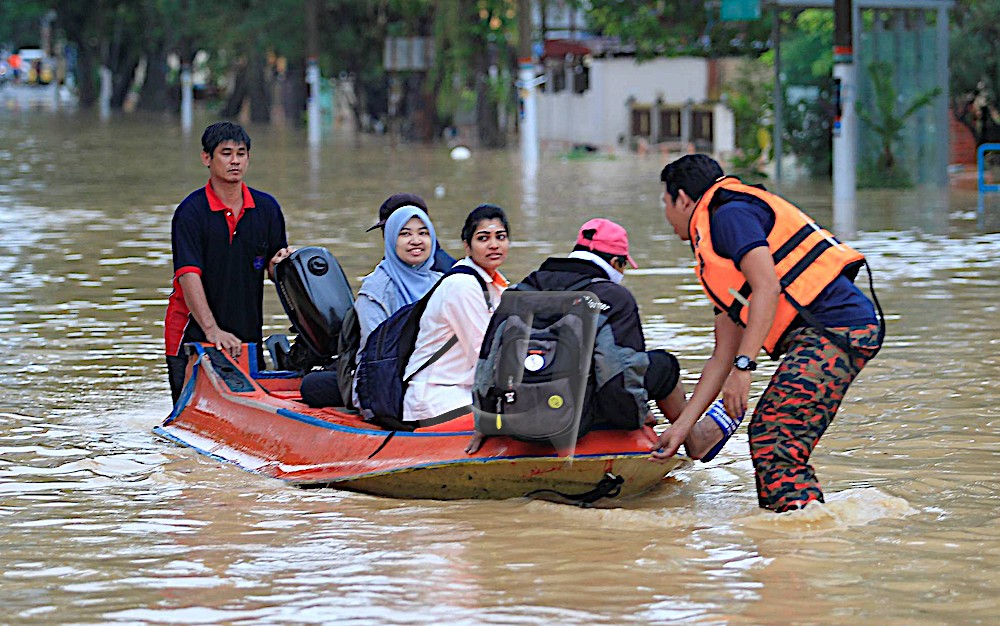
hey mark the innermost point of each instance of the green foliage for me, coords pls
(467, 33)
(807, 132)
(807, 50)
(677, 27)
(975, 67)
(20, 22)
(807, 61)
(888, 123)
(752, 101)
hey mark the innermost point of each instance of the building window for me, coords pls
(640, 121)
(558, 78)
(670, 124)
(701, 126)
(581, 78)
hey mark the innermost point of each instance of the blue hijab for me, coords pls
(411, 282)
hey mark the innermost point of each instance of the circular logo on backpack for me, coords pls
(555, 401)
(534, 362)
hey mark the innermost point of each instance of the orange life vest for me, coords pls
(807, 259)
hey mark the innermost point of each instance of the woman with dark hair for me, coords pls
(461, 308)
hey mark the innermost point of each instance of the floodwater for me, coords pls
(101, 521)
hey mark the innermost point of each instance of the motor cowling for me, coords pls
(316, 296)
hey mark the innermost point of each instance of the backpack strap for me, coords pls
(440, 352)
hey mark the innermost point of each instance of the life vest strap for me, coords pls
(838, 340)
(792, 243)
(808, 259)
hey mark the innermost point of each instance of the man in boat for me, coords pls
(782, 283)
(442, 260)
(223, 236)
(631, 374)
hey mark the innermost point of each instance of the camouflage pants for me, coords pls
(796, 408)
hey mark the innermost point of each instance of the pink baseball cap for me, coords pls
(603, 235)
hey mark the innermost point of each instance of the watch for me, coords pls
(744, 363)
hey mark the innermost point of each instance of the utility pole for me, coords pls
(845, 124)
(312, 70)
(186, 52)
(527, 81)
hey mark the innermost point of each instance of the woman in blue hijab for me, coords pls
(403, 276)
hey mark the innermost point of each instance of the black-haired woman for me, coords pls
(461, 307)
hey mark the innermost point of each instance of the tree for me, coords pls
(676, 27)
(751, 98)
(20, 22)
(807, 61)
(475, 61)
(975, 67)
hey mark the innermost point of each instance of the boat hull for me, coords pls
(231, 411)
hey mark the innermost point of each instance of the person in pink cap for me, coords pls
(624, 374)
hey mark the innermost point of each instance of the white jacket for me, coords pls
(458, 309)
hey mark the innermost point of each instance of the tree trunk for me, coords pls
(487, 120)
(237, 93)
(121, 82)
(153, 96)
(257, 89)
(86, 69)
(294, 91)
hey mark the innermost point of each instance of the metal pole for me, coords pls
(312, 11)
(105, 93)
(845, 123)
(187, 97)
(526, 87)
(312, 79)
(529, 114)
(941, 114)
(778, 96)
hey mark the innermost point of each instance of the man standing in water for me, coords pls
(778, 282)
(222, 235)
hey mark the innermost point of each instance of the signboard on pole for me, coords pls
(735, 10)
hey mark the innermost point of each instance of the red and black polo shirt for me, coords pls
(231, 255)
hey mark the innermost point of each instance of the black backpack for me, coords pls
(380, 366)
(531, 381)
(347, 356)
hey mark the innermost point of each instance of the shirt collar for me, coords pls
(613, 275)
(217, 204)
(497, 279)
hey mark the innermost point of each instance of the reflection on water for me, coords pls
(103, 522)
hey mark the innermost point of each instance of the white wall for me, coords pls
(600, 115)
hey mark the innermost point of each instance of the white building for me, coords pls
(614, 104)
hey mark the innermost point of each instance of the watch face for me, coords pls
(742, 362)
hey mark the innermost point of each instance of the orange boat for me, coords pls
(231, 410)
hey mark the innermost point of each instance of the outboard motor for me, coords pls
(316, 296)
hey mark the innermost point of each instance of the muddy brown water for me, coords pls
(101, 521)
